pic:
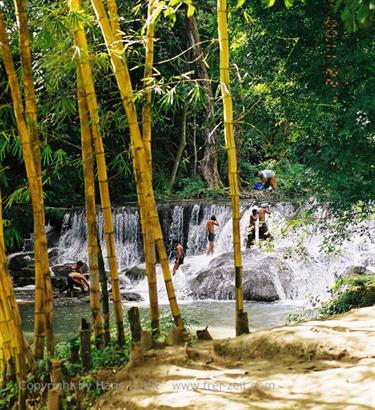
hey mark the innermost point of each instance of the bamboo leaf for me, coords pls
(270, 3)
(191, 10)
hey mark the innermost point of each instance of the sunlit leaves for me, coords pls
(354, 13)
(240, 3)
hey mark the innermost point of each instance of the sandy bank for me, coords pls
(326, 364)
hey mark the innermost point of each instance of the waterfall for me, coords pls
(295, 249)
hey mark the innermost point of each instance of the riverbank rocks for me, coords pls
(21, 268)
(131, 297)
(356, 270)
(265, 278)
(135, 274)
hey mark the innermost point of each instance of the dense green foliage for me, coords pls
(347, 293)
(318, 139)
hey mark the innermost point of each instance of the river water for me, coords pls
(298, 246)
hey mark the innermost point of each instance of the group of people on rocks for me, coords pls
(257, 230)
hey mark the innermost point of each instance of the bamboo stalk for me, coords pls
(92, 104)
(146, 228)
(11, 314)
(104, 289)
(90, 207)
(241, 316)
(40, 238)
(35, 192)
(121, 73)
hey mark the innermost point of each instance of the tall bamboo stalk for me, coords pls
(147, 234)
(104, 289)
(88, 86)
(35, 192)
(41, 245)
(121, 73)
(90, 208)
(12, 315)
(241, 316)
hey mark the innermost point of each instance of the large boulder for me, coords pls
(135, 274)
(265, 278)
(21, 266)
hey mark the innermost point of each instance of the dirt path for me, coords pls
(317, 365)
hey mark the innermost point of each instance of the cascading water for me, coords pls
(296, 251)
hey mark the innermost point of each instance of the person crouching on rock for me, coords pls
(180, 254)
(76, 278)
(268, 178)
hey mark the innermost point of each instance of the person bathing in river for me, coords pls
(252, 226)
(263, 228)
(180, 254)
(268, 178)
(76, 278)
(211, 234)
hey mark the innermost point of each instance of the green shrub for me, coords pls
(8, 395)
(350, 292)
(346, 293)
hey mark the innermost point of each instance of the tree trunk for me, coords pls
(209, 166)
(92, 104)
(121, 72)
(241, 316)
(181, 146)
(90, 208)
(195, 143)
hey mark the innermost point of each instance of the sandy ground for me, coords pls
(316, 365)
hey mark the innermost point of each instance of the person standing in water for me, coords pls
(180, 255)
(251, 230)
(211, 234)
(263, 228)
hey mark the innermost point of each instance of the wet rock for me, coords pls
(53, 255)
(356, 270)
(21, 268)
(135, 274)
(265, 278)
(132, 297)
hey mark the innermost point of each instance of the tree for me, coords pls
(209, 166)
